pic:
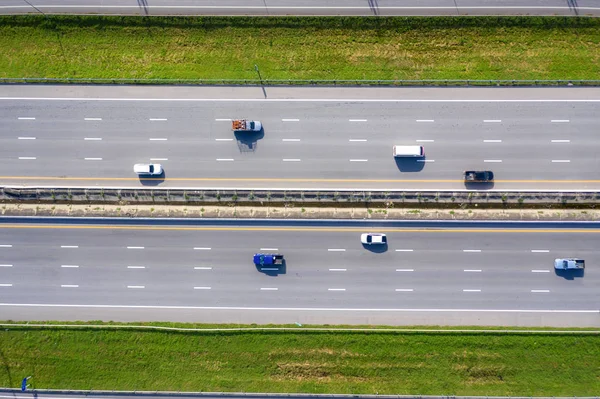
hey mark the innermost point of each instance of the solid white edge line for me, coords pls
(202, 288)
(301, 309)
(316, 100)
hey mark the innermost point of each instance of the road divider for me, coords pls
(476, 199)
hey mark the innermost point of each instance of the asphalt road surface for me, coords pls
(433, 275)
(306, 7)
(533, 139)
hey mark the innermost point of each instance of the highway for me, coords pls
(306, 7)
(429, 275)
(313, 138)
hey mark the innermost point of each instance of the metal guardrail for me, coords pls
(309, 82)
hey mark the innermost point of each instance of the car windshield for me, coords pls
(251, 125)
(151, 168)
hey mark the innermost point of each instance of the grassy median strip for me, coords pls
(453, 363)
(300, 48)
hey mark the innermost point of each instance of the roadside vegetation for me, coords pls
(300, 48)
(384, 362)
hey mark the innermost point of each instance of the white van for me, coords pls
(409, 151)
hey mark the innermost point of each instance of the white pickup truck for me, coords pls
(569, 264)
(244, 125)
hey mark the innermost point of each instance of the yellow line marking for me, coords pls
(259, 179)
(298, 229)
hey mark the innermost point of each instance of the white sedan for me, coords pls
(152, 169)
(373, 238)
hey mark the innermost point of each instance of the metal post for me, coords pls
(258, 72)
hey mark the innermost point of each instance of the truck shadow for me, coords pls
(148, 180)
(378, 249)
(273, 270)
(410, 164)
(479, 186)
(248, 141)
(570, 274)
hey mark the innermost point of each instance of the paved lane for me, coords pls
(327, 269)
(311, 142)
(307, 7)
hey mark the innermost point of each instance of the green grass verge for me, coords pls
(300, 48)
(453, 363)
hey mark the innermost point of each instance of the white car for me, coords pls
(152, 169)
(373, 238)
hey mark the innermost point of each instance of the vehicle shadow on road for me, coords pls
(248, 141)
(378, 249)
(479, 186)
(570, 274)
(148, 180)
(272, 270)
(410, 164)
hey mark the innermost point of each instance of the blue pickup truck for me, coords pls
(268, 259)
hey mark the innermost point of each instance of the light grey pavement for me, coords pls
(205, 274)
(322, 138)
(306, 7)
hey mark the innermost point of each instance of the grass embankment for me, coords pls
(300, 48)
(457, 363)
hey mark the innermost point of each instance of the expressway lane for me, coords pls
(307, 7)
(317, 142)
(199, 269)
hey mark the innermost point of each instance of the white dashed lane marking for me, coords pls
(290, 120)
(26, 118)
(158, 119)
(405, 270)
(202, 288)
(92, 119)
(540, 271)
(357, 120)
(291, 160)
(357, 140)
(158, 139)
(225, 159)
(492, 141)
(223, 139)
(336, 289)
(202, 248)
(492, 120)
(290, 140)
(70, 266)
(540, 290)
(136, 286)
(93, 159)
(25, 158)
(27, 138)
(425, 120)
(540, 250)
(92, 139)
(560, 121)
(471, 290)
(69, 246)
(492, 160)
(560, 141)
(269, 289)
(404, 290)
(561, 160)
(69, 286)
